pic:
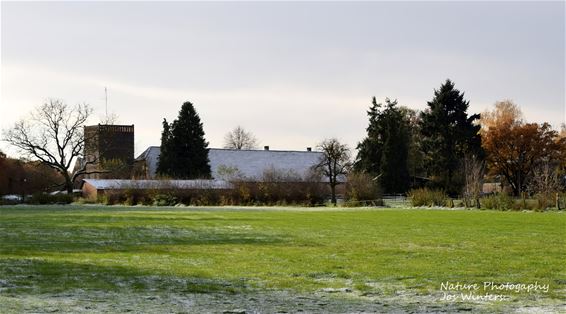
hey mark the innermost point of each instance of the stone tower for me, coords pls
(112, 149)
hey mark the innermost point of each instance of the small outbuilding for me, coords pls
(94, 188)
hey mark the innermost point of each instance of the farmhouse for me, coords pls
(246, 165)
(93, 188)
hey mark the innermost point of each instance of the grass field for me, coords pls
(120, 259)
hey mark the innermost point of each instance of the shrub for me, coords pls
(506, 202)
(427, 197)
(561, 201)
(449, 203)
(103, 199)
(546, 200)
(361, 190)
(133, 196)
(40, 198)
(164, 200)
(82, 200)
(285, 189)
(64, 199)
(206, 198)
(44, 198)
(500, 201)
(129, 201)
(277, 188)
(488, 202)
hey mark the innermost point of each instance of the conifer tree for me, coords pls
(370, 149)
(394, 158)
(384, 152)
(449, 135)
(163, 164)
(184, 150)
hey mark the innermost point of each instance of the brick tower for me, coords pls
(111, 146)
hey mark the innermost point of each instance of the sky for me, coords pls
(292, 73)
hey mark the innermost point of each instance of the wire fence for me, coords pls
(396, 200)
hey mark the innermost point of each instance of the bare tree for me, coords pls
(474, 170)
(545, 182)
(239, 138)
(53, 135)
(334, 163)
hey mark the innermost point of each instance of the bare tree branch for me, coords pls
(53, 135)
(474, 170)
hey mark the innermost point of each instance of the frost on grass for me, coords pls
(266, 301)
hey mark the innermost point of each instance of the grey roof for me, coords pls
(251, 164)
(104, 184)
(151, 157)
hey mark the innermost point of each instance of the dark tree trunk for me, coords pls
(68, 183)
(333, 192)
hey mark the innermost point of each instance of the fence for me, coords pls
(396, 200)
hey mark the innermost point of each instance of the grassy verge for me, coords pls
(371, 254)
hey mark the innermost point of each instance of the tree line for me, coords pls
(21, 177)
(442, 147)
(445, 147)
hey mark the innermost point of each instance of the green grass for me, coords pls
(48, 250)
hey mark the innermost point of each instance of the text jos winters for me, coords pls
(488, 291)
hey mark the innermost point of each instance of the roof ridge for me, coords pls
(247, 150)
(263, 150)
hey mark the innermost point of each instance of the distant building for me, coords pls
(109, 145)
(247, 165)
(94, 188)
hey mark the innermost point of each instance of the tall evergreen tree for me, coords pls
(184, 150)
(394, 159)
(415, 159)
(449, 135)
(370, 149)
(164, 163)
(384, 152)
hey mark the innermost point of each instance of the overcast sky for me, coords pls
(291, 73)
